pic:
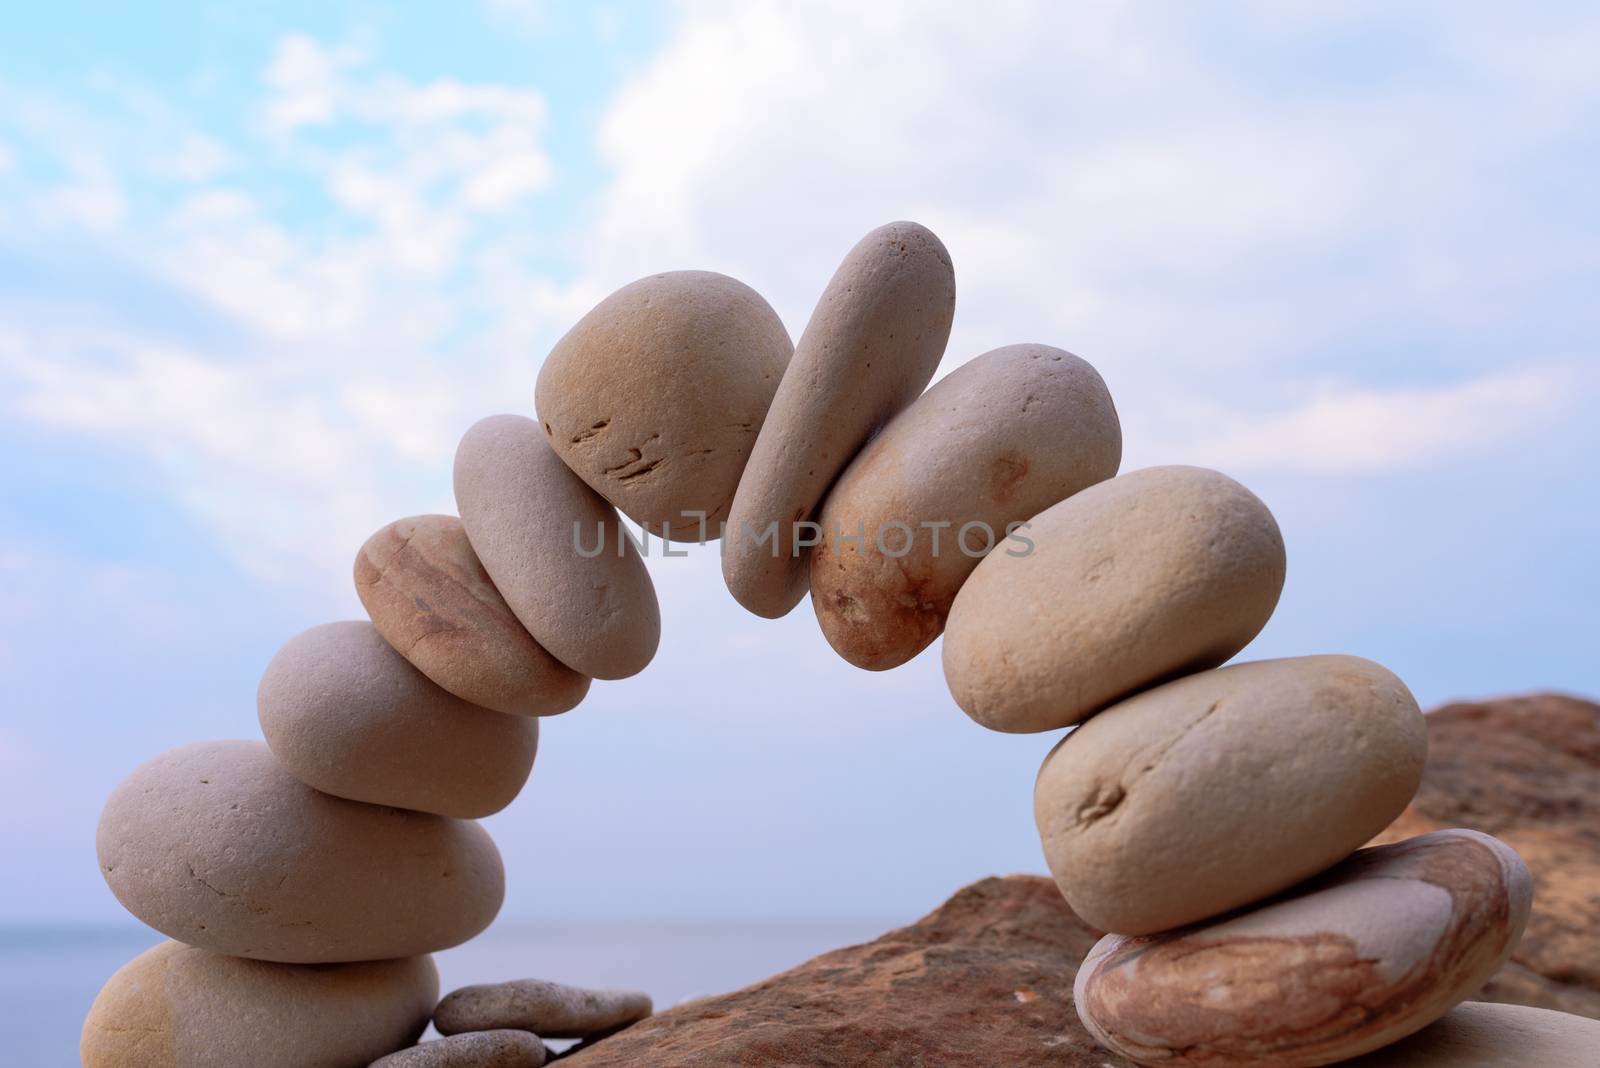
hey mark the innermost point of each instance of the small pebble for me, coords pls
(545, 1008)
(472, 1049)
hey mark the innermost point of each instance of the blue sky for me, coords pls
(260, 269)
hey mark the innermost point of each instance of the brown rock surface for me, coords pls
(986, 979)
(1527, 770)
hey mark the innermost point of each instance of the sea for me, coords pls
(49, 976)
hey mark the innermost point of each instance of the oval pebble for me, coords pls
(175, 1006)
(533, 523)
(1371, 951)
(1147, 576)
(345, 713)
(1477, 1034)
(1221, 788)
(215, 845)
(656, 396)
(431, 599)
(873, 342)
(548, 1009)
(1000, 439)
(474, 1049)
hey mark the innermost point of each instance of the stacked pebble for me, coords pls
(1205, 815)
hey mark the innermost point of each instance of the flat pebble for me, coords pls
(431, 599)
(472, 1049)
(345, 713)
(656, 396)
(1476, 1034)
(1370, 952)
(997, 441)
(215, 845)
(533, 524)
(872, 344)
(1135, 580)
(1221, 788)
(175, 1006)
(548, 1009)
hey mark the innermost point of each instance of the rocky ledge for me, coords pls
(1527, 770)
(985, 979)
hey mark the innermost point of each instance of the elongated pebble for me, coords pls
(1223, 787)
(215, 845)
(1372, 951)
(552, 1010)
(474, 1049)
(345, 713)
(872, 344)
(430, 598)
(1135, 580)
(995, 442)
(533, 524)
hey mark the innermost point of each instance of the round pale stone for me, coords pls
(1362, 956)
(555, 550)
(215, 845)
(431, 599)
(656, 396)
(545, 1008)
(1149, 575)
(175, 1006)
(997, 441)
(475, 1049)
(1480, 1035)
(873, 343)
(1222, 788)
(345, 713)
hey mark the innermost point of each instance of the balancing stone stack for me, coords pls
(1211, 817)
(304, 882)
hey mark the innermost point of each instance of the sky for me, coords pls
(260, 269)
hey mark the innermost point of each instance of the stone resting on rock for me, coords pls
(1197, 813)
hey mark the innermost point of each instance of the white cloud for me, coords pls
(1122, 187)
(1354, 429)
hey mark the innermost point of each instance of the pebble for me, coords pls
(532, 523)
(345, 713)
(175, 1006)
(1370, 952)
(548, 1009)
(1222, 788)
(1149, 575)
(215, 845)
(1477, 1034)
(656, 396)
(873, 342)
(473, 1049)
(995, 442)
(431, 599)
